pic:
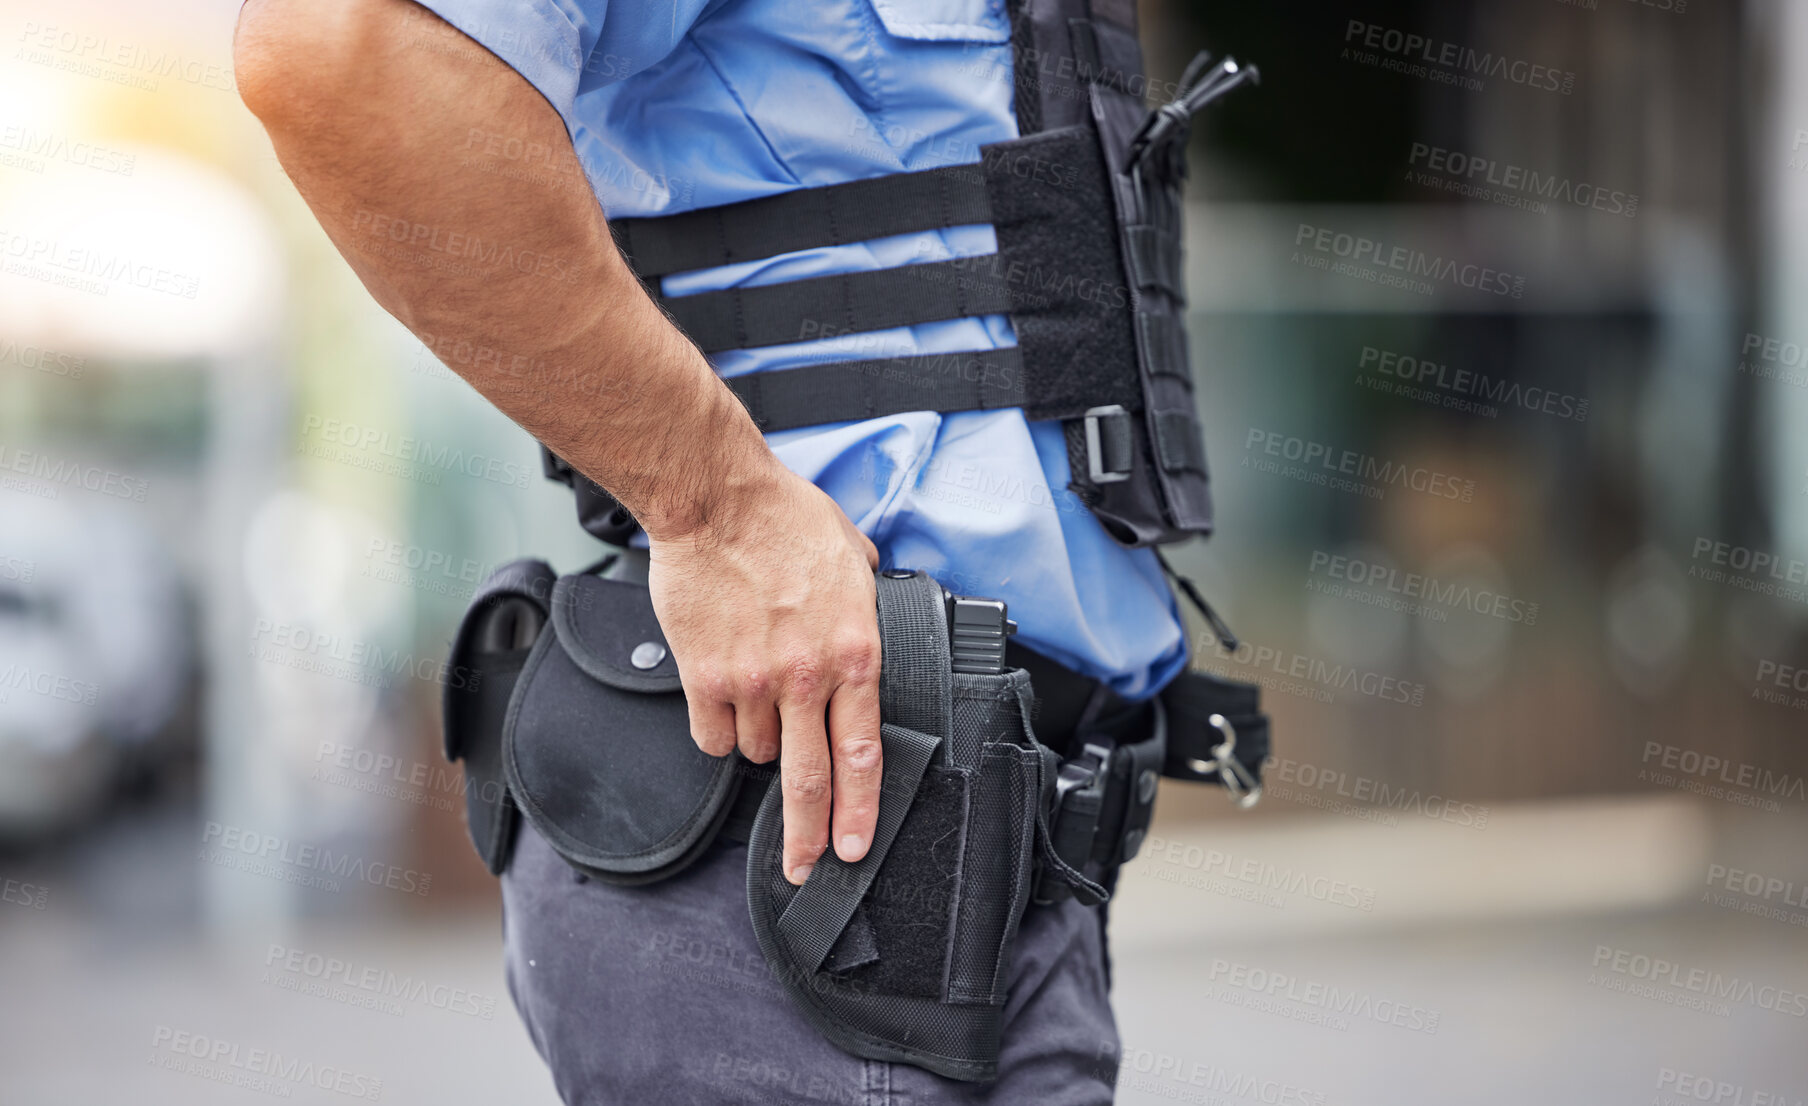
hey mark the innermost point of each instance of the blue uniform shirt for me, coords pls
(674, 106)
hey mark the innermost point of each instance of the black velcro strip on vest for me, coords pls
(834, 215)
(846, 391)
(1058, 250)
(799, 310)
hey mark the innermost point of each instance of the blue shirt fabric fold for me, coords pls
(675, 106)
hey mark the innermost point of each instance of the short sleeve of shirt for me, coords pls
(566, 47)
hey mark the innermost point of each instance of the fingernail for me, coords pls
(851, 846)
(801, 873)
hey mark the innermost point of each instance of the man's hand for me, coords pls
(763, 587)
(770, 614)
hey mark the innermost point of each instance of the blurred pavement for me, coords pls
(1244, 972)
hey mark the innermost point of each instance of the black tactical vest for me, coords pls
(1087, 208)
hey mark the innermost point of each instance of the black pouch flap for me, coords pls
(597, 743)
(611, 633)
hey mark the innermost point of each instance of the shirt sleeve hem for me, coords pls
(535, 38)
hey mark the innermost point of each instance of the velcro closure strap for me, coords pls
(916, 670)
(822, 907)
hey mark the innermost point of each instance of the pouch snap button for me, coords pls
(647, 654)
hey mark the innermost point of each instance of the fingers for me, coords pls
(712, 724)
(854, 749)
(724, 718)
(757, 730)
(804, 780)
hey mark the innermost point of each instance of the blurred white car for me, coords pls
(96, 655)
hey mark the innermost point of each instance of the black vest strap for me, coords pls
(833, 215)
(824, 307)
(844, 391)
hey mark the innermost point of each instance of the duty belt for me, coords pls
(566, 707)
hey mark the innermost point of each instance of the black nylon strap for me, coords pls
(1191, 699)
(820, 307)
(916, 670)
(817, 914)
(1117, 445)
(843, 391)
(1164, 344)
(1156, 260)
(1121, 12)
(1177, 443)
(832, 215)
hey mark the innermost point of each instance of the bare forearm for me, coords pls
(386, 142)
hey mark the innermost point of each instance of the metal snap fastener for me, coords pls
(1145, 787)
(898, 573)
(1133, 841)
(647, 654)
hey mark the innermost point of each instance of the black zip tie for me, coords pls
(1226, 636)
(1194, 70)
(1198, 88)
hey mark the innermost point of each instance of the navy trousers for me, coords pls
(658, 996)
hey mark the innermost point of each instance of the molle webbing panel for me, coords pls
(1149, 214)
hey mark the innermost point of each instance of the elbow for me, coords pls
(297, 62)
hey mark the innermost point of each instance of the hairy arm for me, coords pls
(382, 114)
